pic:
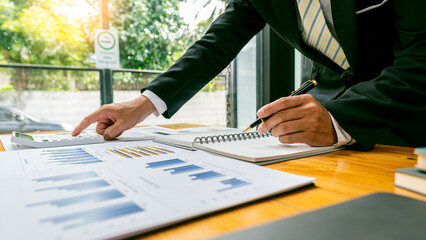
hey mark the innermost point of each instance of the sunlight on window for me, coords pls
(75, 10)
(196, 11)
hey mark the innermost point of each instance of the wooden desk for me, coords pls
(340, 176)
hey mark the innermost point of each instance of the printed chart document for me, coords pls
(250, 146)
(119, 189)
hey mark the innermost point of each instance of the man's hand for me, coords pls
(114, 119)
(298, 119)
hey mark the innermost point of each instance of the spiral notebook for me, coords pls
(250, 146)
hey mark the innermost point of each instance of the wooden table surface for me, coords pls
(340, 176)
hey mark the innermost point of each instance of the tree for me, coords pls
(152, 34)
(37, 32)
(33, 32)
(203, 26)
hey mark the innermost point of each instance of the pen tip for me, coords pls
(247, 129)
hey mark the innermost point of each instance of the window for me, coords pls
(6, 115)
(68, 86)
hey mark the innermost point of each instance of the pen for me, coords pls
(304, 88)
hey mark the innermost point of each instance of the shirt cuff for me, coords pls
(158, 103)
(343, 138)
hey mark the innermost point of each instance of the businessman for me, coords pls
(368, 57)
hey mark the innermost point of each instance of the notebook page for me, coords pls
(261, 149)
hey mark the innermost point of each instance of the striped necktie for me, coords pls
(316, 34)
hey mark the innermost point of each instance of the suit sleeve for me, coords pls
(370, 110)
(228, 34)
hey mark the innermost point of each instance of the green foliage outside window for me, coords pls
(152, 36)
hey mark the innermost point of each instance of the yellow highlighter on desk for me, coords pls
(304, 88)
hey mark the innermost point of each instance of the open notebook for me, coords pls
(251, 146)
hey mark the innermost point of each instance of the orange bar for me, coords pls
(154, 150)
(135, 150)
(119, 153)
(146, 151)
(131, 153)
(162, 149)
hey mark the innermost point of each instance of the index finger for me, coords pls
(281, 104)
(89, 119)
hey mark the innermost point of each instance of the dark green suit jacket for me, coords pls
(381, 96)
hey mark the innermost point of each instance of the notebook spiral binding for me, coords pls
(230, 137)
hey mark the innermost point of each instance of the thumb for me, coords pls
(114, 130)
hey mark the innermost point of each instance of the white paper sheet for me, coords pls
(109, 191)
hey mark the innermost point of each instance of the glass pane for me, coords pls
(246, 84)
(209, 105)
(51, 99)
(5, 115)
(152, 35)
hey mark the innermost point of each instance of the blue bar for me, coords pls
(77, 162)
(79, 186)
(131, 151)
(59, 155)
(206, 175)
(55, 158)
(168, 151)
(140, 152)
(66, 153)
(82, 158)
(161, 151)
(147, 150)
(72, 176)
(94, 197)
(63, 151)
(87, 162)
(70, 156)
(95, 215)
(120, 152)
(70, 161)
(73, 158)
(235, 183)
(183, 169)
(165, 163)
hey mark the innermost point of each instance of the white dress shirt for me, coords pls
(343, 138)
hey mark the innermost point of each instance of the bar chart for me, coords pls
(67, 177)
(165, 163)
(139, 151)
(178, 166)
(96, 215)
(78, 186)
(183, 169)
(80, 199)
(93, 192)
(234, 183)
(206, 175)
(71, 156)
(94, 197)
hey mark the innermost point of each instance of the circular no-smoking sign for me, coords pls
(106, 40)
